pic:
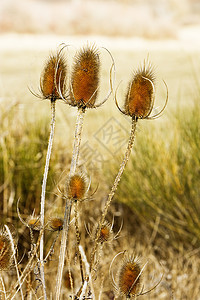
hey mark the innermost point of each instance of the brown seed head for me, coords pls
(76, 187)
(106, 233)
(56, 224)
(140, 96)
(85, 77)
(53, 78)
(33, 222)
(5, 252)
(129, 277)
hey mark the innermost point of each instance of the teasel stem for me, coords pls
(15, 260)
(44, 183)
(68, 207)
(2, 289)
(27, 269)
(78, 238)
(82, 291)
(77, 140)
(113, 189)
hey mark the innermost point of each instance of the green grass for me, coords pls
(23, 147)
(161, 183)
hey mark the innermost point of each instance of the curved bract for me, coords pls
(140, 95)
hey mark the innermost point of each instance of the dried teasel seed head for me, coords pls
(33, 222)
(53, 78)
(56, 223)
(140, 95)
(106, 233)
(129, 277)
(6, 255)
(77, 187)
(85, 77)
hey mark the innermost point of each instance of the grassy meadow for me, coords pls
(158, 196)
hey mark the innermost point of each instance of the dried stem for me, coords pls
(77, 141)
(27, 269)
(15, 260)
(2, 289)
(87, 277)
(113, 189)
(78, 238)
(44, 183)
(68, 207)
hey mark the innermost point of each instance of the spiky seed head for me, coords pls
(53, 78)
(85, 77)
(77, 187)
(129, 277)
(140, 95)
(6, 255)
(33, 222)
(56, 223)
(106, 233)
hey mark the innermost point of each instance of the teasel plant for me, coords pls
(107, 236)
(52, 85)
(127, 281)
(8, 257)
(138, 104)
(83, 94)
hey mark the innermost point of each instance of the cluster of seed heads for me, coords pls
(80, 89)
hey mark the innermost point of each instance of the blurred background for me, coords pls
(149, 19)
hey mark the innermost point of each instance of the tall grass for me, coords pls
(23, 147)
(161, 183)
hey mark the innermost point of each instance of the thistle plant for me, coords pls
(138, 104)
(52, 84)
(128, 278)
(84, 85)
(82, 92)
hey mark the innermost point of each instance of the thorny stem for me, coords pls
(44, 183)
(68, 207)
(82, 291)
(15, 260)
(52, 247)
(113, 189)
(27, 269)
(78, 238)
(77, 140)
(3, 290)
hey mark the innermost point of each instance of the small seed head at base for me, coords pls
(129, 277)
(56, 223)
(6, 255)
(53, 78)
(77, 187)
(33, 222)
(85, 77)
(140, 95)
(106, 233)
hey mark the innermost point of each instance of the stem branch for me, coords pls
(44, 183)
(68, 207)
